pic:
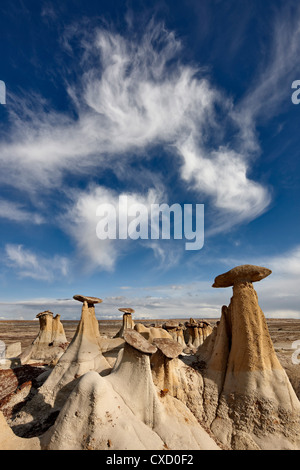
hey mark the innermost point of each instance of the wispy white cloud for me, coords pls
(287, 263)
(80, 222)
(28, 264)
(16, 212)
(270, 90)
(131, 94)
(222, 174)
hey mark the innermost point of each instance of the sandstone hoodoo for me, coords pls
(83, 354)
(127, 321)
(164, 366)
(145, 390)
(249, 401)
(175, 330)
(245, 272)
(50, 343)
(91, 301)
(132, 379)
(58, 333)
(196, 333)
(138, 342)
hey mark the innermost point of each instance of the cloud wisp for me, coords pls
(130, 95)
(80, 222)
(16, 212)
(270, 89)
(29, 265)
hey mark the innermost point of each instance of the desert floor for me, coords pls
(283, 333)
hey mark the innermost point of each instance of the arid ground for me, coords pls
(283, 333)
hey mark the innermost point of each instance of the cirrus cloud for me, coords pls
(131, 94)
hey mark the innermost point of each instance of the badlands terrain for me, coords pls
(190, 383)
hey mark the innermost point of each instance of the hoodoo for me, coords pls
(131, 378)
(249, 401)
(83, 354)
(125, 411)
(50, 343)
(227, 389)
(175, 330)
(196, 333)
(127, 321)
(243, 273)
(164, 365)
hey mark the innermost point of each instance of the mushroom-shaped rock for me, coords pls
(126, 310)
(83, 355)
(132, 379)
(50, 343)
(249, 401)
(46, 323)
(196, 333)
(137, 341)
(171, 349)
(245, 272)
(127, 321)
(164, 365)
(175, 330)
(171, 324)
(87, 299)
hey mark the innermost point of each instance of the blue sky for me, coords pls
(168, 102)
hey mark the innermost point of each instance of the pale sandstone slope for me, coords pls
(83, 355)
(125, 410)
(9, 441)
